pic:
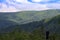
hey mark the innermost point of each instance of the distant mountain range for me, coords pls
(30, 20)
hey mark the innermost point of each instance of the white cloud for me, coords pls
(36, 0)
(25, 5)
(46, 0)
(23, 1)
(5, 9)
(33, 7)
(54, 5)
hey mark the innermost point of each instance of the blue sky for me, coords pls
(24, 5)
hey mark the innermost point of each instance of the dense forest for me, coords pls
(30, 25)
(37, 34)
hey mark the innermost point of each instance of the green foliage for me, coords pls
(37, 34)
(28, 16)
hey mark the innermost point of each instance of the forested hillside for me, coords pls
(30, 25)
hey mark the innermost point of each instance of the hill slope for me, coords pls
(29, 16)
(29, 20)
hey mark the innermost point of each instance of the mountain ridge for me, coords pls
(24, 18)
